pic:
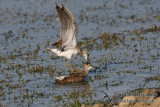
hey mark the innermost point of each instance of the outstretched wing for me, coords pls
(69, 29)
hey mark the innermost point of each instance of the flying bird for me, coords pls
(67, 43)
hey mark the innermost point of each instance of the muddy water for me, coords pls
(121, 36)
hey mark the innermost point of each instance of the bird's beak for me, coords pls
(95, 67)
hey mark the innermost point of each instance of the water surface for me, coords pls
(123, 38)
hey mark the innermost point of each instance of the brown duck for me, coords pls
(75, 77)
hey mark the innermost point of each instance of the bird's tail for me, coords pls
(60, 77)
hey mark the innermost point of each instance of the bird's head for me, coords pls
(85, 54)
(88, 66)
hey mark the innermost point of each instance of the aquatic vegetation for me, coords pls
(154, 78)
(123, 41)
(153, 29)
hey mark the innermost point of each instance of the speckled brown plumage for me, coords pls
(74, 77)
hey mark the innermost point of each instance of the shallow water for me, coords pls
(123, 38)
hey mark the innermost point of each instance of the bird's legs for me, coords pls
(68, 67)
(74, 67)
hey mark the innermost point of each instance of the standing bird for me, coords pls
(75, 77)
(67, 44)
